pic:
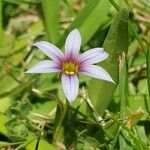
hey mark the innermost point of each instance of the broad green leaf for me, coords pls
(51, 18)
(116, 42)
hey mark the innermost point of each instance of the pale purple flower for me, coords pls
(70, 64)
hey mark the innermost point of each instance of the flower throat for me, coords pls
(70, 68)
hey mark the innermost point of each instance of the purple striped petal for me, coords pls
(50, 50)
(93, 56)
(96, 72)
(73, 42)
(70, 84)
(45, 66)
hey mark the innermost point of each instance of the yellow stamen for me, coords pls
(70, 68)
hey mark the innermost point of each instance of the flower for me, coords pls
(70, 64)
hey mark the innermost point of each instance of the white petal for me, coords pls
(93, 56)
(50, 50)
(96, 72)
(70, 84)
(73, 42)
(45, 66)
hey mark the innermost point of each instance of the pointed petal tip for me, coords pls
(93, 56)
(112, 81)
(96, 72)
(70, 100)
(73, 42)
(39, 42)
(50, 50)
(27, 71)
(109, 79)
(77, 30)
(35, 44)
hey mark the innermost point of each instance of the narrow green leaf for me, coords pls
(115, 43)
(89, 20)
(95, 20)
(122, 84)
(122, 95)
(51, 19)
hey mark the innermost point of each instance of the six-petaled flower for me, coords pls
(70, 64)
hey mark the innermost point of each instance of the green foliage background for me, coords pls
(33, 112)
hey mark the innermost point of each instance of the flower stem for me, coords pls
(59, 118)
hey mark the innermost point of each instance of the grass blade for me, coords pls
(51, 19)
(89, 20)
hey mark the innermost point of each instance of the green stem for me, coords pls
(148, 69)
(1, 25)
(122, 93)
(59, 118)
(122, 85)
